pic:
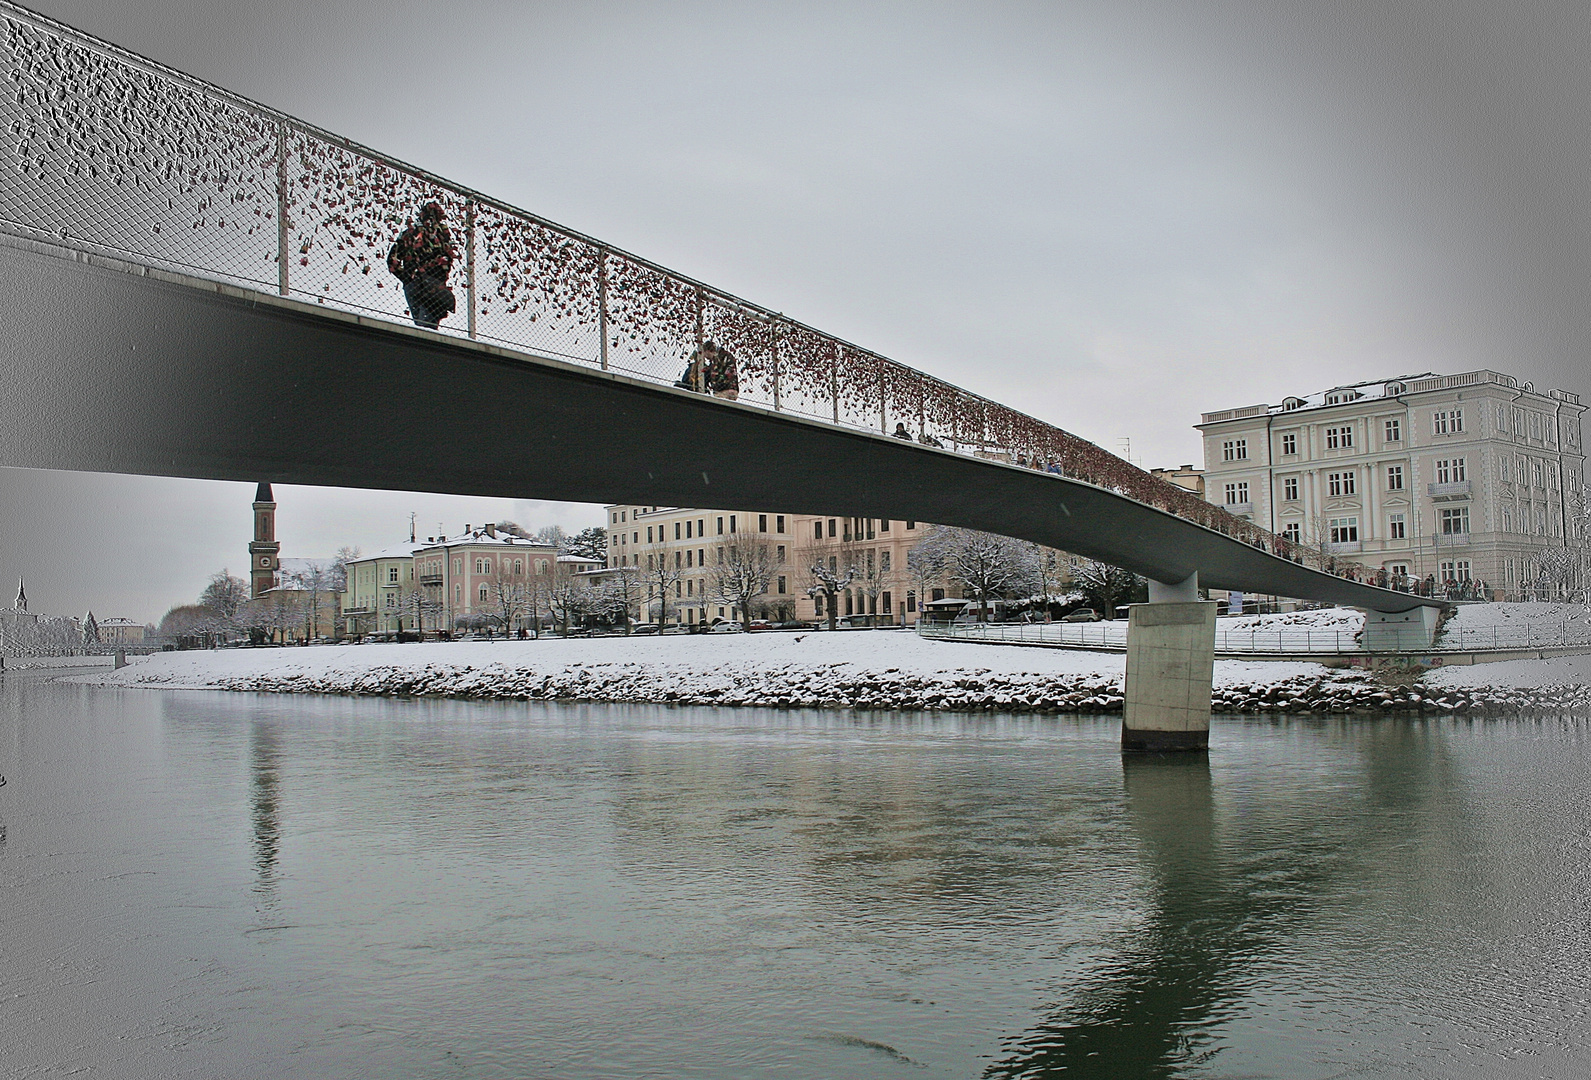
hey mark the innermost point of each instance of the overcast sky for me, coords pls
(1111, 215)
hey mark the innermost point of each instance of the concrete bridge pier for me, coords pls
(1170, 669)
(1401, 631)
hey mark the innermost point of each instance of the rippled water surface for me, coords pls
(233, 886)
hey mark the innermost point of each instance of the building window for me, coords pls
(392, 575)
(1234, 450)
(937, 594)
(1505, 472)
(1344, 530)
(1394, 430)
(1447, 423)
(1339, 438)
(884, 601)
(1535, 426)
(910, 525)
(1341, 483)
(1290, 489)
(519, 567)
(883, 525)
(1237, 493)
(720, 526)
(911, 602)
(1455, 520)
(677, 528)
(883, 562)
(1537, 473)
(780, 550)
(1450, 470)
(1502, 419)
(1289, 442)
(732, 524)
(482, 592)
(1394, 477)
(687, 530)
(762, 522)
(1395, 528)
(1292, 533)
(778, 523)
(781, 584)
(1508, 520)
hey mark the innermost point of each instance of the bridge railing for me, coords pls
(111, 152)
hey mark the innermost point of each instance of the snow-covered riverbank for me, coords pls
(861, 669)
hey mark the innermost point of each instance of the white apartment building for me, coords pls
(1458, 477)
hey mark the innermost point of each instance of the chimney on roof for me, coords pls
(491, 530)
(466, 528)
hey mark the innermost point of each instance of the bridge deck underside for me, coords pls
(110, 368)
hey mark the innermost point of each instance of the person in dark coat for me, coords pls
(712, 370)
(422, 259)
(901, 432)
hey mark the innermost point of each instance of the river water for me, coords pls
(211, 885)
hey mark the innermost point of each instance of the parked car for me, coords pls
(1082, 614)
(644, 628)
(728, 626)
(759, 624)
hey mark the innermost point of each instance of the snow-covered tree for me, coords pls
(589, 543)
(987, 565)
(90, 630)
(745, 567)
(1105, 585)
(827, 578)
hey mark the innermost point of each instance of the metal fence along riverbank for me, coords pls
(1304, 641)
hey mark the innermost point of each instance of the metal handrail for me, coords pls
(111, 151)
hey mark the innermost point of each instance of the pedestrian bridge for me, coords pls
(195, 286)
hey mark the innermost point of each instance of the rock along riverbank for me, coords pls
(868, 671)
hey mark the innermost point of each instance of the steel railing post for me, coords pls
(834, 379)
(281, 207)
(469, 262)
(883, 396)
(602, 306)
(773, 349)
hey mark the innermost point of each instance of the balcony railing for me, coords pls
(112, 153)
(1451, 492)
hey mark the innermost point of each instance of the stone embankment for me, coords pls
(845, 686)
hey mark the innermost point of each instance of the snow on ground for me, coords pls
(1566, 672)
(870, 669)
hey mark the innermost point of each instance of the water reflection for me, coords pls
(265, 796)
(1146, 1013)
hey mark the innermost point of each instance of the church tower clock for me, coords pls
(263, 562)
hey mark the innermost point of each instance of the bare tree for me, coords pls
(419, 604)
(569, 596)
(746, 566)
(660, 577)
(223, 600)
(512, 597)
(621, 593)
(319, 583)
(925, 563)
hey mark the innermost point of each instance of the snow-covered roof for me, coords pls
(405, 550)
(579, 559)
(116, 621)
(476, 537)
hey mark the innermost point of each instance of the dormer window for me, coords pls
(1291, 403)
(1393, 389)
(1338, 397)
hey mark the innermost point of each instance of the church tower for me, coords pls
(263, 562)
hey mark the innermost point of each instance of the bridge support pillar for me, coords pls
(1170, 669)
(1401, 631)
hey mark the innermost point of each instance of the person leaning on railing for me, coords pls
(422, 258)
(712, 370)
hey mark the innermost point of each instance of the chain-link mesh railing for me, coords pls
(107, 151)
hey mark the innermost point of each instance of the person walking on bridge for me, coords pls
(422, 259)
